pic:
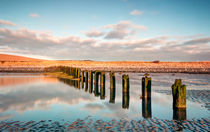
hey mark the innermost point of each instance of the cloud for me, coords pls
(198, 41)
(94, 33)
(7, 23)
(34, 15)
(121, 30)
(136, 12)
(116, 45)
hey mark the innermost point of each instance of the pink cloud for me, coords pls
(8, 23)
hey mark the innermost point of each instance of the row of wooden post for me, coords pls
(178, 90)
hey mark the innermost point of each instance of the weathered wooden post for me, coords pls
(102, 85)
(112, 80)
(146, 86)
(96, 77)
(86, 81)
(78, 73)
(112, 87)
(125, 91)
(125, 83)
(91, 82)
(146, 108)
(179, 94)
(82, 79)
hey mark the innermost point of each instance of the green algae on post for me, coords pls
(146, 86)
(125, 91)
(179, 94)
(91, 82)
(125, 83)
(86, 80)
(96, 78)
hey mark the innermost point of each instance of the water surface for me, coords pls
(26, 97)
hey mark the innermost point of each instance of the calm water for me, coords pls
(26, 97)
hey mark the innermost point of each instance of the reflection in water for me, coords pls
(91, 82)
(146, 108)
(74, 83)
(24, 79)
(125, 100)
(179, 114)
(112, 95)
(55, 97)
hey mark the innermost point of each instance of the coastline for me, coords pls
(121, 66)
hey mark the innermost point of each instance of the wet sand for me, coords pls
(90, 124)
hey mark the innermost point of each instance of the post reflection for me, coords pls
(74, 83)
(146, 108)
(179, 114)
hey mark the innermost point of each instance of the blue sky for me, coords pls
(105, 26)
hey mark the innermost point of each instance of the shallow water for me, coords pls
(35, 97)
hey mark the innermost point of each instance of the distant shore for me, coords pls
(121, 66)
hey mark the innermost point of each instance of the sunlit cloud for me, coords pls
(7, 23)
(108, 42)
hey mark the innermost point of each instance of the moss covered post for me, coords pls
(90, 82)
(78, 72)
(82, 78)
(96, 78)
(112, 87)
(86, 81)
(102, 85)
(146, 86)
(125, 91)
(179, 94)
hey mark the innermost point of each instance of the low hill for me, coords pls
(6, 57)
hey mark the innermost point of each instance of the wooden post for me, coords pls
(125, 91)
(112, 80)
(86, 81)
(125, 83)
(82, 79)
(179, 94)
(146, 86)
(91, 82)
(112, 87)
(78, 73)
(96, 77)
(102, 85)
(146, 108)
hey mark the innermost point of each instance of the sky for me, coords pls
(106, 30)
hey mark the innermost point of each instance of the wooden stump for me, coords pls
(179, 94)
(146, 86)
